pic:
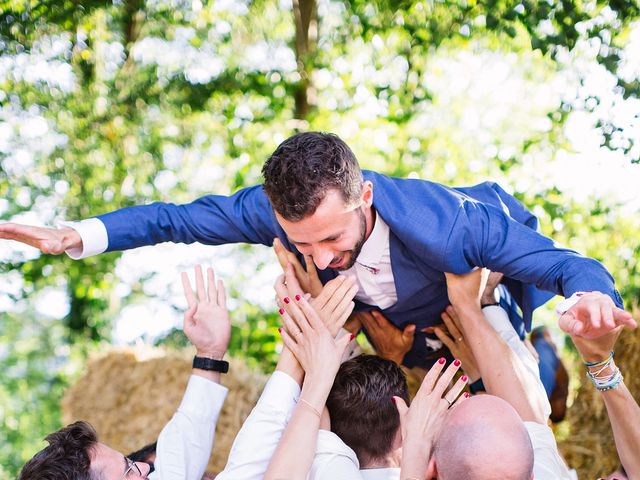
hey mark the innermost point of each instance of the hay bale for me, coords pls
(589, 447)
(128, 395)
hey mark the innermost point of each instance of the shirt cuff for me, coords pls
(94, 238)
(280, 393)
(567, 303)
(200, 388)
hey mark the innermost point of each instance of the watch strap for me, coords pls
(204, 363)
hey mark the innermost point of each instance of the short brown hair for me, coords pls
(361, 407)
(304, 167)
(67, 457)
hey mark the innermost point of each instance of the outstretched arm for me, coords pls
(506, 372)
(244, 217)
(185, 443)
(485, 236)
(622, 408)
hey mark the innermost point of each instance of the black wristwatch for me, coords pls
(210, 364)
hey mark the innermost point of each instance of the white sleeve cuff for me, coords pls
(281, 392)
(567, 303)
(94, 238)
(199, 389)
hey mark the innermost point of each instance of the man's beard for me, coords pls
(355, 251)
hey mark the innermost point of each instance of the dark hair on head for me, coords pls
(304, 167)
(67, 457)
(361, 408)
(144, 453)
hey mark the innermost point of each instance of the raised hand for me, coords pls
(452, 335)
(466, 289)
(593, 316)
(48, 240)
(307, 279)
(388, 340)
(206, 321)
(311, 342)
(422, 422)
(333, 305)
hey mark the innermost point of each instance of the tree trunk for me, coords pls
(305, 13)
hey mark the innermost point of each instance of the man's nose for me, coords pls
(322, 257)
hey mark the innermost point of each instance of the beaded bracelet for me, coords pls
(602, 362)
(607, 381)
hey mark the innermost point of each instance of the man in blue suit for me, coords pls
(396, 236)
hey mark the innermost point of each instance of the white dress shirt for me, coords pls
(372, 269)
(380, 474)
(185, 442)
(261, 432)
(547, 462)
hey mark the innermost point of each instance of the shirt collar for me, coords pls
(377, 243)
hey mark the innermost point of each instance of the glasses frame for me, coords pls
(131, 467)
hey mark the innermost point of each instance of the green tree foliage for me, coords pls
(107, 104)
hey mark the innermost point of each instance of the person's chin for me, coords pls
(346, 262)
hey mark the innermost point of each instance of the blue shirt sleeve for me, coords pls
(245, 217)
(485, 236)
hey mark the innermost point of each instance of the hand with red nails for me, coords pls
(334, 304)
(593, 316)
(307, 279)
(451, 334)
(206, 321)
(388, 340)
(312, 343)
(422, 421)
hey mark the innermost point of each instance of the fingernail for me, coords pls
(464, 378)
(298, 298)
(442, 360)
(279, 330)
(351, 337)
(286, 300)
(457, 362)
(466, 395)
(281, 311)
(393, 399)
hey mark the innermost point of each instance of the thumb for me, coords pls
(570, 324)
(408, 332)
(188, 315)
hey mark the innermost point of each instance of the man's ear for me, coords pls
(432, 469)
(367, 193)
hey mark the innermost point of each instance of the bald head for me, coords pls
(483, 438)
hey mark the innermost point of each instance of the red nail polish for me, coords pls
(281, 311)
(298, 297)
(464, 378)
(351, 337)
(286, 300)
(466, 395)
(457, 362)
(393, 399)
(442, 361)
(279, 330)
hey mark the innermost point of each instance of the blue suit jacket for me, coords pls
(433, 229)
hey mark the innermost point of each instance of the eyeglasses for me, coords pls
(131, 467)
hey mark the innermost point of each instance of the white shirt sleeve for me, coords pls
(334, 460)
(94, 238)
(547, 463)
(260, 434)
(185, 443)
(499, 320)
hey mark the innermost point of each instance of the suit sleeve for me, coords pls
(245, 217)
(485, 236)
